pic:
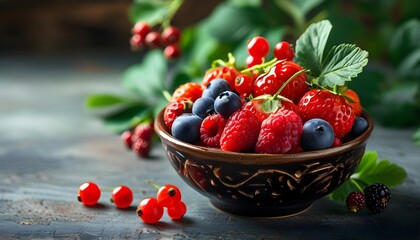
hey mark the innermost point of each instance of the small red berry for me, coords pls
(211, 130)
(141, 29)
(337, 142)
(168, 195)
(252, 61)
(283, 50)
(89, 193)
(153, 40)
(244, 84)
(172, 51)
(126, 137)
(171, 35)
(355, 201)
(142, 131)
(141, 147)
(122, 196)
(258, 47)
(149, 210)
(177, 211)
(137, 42)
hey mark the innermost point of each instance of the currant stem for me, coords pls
(173, 9)
(153, 184)
(356, 184)
(272, 62)
(288, 81)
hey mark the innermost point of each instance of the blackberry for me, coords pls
(377, 197)
(355, 201)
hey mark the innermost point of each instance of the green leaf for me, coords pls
(347, 62)
(104, 100)
(404, 41)
(409, 68)
(416, 137)
(127, 118)
(152, 12)
(306, 6)
(246, 3)
(340, 194)
(310, 46)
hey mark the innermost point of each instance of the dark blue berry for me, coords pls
(227, 103)
(216, 87)
(317, 134)
(359, 126)
(377, 197)
(203, 107)
(186, 128)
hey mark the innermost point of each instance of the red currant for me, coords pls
(122, 196)
(137, 42)
(283, 50)
(126, 137)
(172, 51)
(171, 35)
(153, 40)
(141, 29)
(252, 61)
(149, 210)
(258, 47)
(177, 211)
(244, 84)
(168, 195)
(89, 193)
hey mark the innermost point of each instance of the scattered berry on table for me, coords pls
(89, 193)
(141, 147)
(149, 210)
(216, 87)
(153, 40)
(143, 131)
(228, 73)
(377, 197)
(171, 35)
(187, 128)
(203, 107)
(360, 125)
(283, 50)
(211, 130)
(190, 91)
(122, 196)
(177, 211)
(227, 103)
(317, 134)
(168, 195)
(174, 109)
(258, 47)
(172, 51)
(355, 201)
(126, 137)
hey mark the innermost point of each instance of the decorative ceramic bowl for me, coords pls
(264, 185)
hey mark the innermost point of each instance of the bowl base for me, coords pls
(275, 212)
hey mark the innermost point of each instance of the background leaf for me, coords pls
(404, 41)
(104, 100)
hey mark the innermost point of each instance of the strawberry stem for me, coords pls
(289, 80)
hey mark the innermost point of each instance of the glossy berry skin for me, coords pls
(168, 195)
(241, 131)
(172, 51)
(355, 201)
(190, 91)
(244, 85)
(252, 61)
(227, 103)
(153, 40)
(137, 42)
(280, 132)
(359, 127)
(328, 106)
(216, 87)
(177, 211)
(174, 109)
(203, 107)
(271, 82)
(258, 47)
(141, 29)
(354, 101)
(122, 196)
(171, 35)
(126, 137)
(211, 130)
(187, 128)
(149, 210)
(89, 193)
(283, 50)
(317, 134)
(377, 197)
(225, 72)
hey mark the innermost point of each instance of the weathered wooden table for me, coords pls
(49, 145)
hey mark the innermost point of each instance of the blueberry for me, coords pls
(203, 107)
(317, 134)
(359, 126)
(227, 103)
(186, 128)
(215, 87)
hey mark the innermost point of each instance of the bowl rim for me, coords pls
(257, 158)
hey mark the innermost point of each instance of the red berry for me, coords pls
(354, 101)
(226, 72)
(244, 84)
(168, 195)
(280, 132)
(211, 130)
(89, 193)
(172, 51)
(141, 147)
(337, 142)
(174, 109)
(143, 131)
(149, 210)
(190, 91)
(252, 61)
(171, 35)
(258, 47)
(177, 211)
(141, 29)
(153, 40)
(137, 42)
(283, 50)
(328, 106)
(122, 196)
(241, 131)
(355, 201)
(126, 137)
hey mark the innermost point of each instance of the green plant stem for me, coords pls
(173, 9)
(270, 63)
(288, 81)
(356, 184)
(153, 184)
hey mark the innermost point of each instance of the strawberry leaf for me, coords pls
(310, 46)
(346, 62)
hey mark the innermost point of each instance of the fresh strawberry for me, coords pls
(329, 106)
(143, 131)
(211, 130)
(354, 101)
(241, 131)
(190, 91)
(280, 132)
(174, 109)
(228, 73)
(270, 82)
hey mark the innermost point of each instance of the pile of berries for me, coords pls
(375, 197)
(150, 210)
(269, 107)
(139, 139)
(143, 36)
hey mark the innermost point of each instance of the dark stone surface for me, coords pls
(49, 145)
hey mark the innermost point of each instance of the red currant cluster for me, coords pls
(144, 36)
(89, 194)
(259, 47)
(139, 139)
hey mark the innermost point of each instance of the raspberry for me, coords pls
(280, 132)
(174, 109)
(141, 147)
(355, 201)
(241, 131)
(377, 197)
(211, 130)
(190, 91)
(143, 131)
